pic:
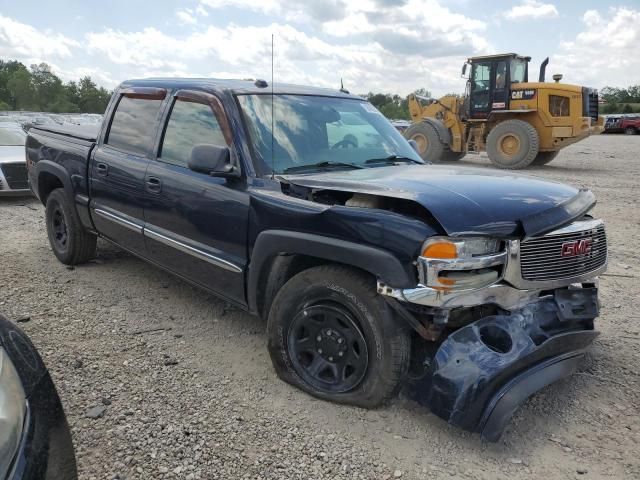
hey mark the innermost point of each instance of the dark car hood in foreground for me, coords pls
(465, 200)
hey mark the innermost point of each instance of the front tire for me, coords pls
(513, 144)
(430, 147)
(333, 336)
(630, 131)
(70, 242)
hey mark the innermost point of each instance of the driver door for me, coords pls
(480, 98)
(500, 98)
(196, 224)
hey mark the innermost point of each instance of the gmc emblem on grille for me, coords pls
(579, 247)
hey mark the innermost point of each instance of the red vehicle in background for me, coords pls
(629, 124)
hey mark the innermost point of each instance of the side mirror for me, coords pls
(414, 145)
(213, 160)
(464, 69)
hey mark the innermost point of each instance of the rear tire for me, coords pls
(333, 336)
(513, 144)
(630, 131)
(544, 157)
(430, 147)
(70, 242)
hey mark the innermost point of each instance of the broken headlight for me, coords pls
(12, 412)
(461, 263)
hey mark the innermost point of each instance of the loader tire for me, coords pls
(513, 144)
(430, 147)
(544, 157)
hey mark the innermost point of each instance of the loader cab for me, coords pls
(490, 81)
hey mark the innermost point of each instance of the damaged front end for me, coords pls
(506, 292)
(484, 371)
(500, 321)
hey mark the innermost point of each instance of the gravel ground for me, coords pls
(182, 386)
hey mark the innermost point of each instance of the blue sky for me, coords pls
(375, 45)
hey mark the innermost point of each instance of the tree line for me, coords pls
(621, 100)
(38, 89)
(393, 106)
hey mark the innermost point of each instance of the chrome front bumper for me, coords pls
(501, 294)
(509, 292)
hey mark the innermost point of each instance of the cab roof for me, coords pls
(499, 55)
(238, 87)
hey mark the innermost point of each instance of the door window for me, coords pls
(480, 88)
(190, 124)
(501, 75)
(133, 125)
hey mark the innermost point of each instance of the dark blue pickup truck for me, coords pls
(472, 289)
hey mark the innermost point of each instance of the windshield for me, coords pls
(11, 137)
(311, 130)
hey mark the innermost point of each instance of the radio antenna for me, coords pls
(273, 131)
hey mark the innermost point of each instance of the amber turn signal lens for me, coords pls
(450, 282)
(440, 250)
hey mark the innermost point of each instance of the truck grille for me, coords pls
(542, 258)
(16, 175)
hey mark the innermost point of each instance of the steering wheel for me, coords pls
(349, 141)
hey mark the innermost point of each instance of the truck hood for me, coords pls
(465, 200)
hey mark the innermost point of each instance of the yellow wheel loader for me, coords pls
(517, 122)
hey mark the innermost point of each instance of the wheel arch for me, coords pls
(49, 176)
(278, 255)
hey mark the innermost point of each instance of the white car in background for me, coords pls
(13, 165)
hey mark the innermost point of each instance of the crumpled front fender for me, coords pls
(484, 371)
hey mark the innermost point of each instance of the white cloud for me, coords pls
(368, 42)
(153, 49)
(264, 5)
(185, 17)
(200, 10)
(382, 45)
(23, 42)
(189, 16)
(605, 52)
(532, 9)
(299, 58)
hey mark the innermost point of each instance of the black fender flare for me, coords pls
(269, 243)
(48, 166)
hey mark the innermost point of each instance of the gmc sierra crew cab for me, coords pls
(470, 289)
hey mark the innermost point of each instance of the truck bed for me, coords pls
(62, 152)
(88, 133)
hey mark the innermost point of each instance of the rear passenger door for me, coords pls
(119, 163)
(196, 224)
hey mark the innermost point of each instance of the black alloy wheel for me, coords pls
(333, 336)
(327, 348)
(59, 228)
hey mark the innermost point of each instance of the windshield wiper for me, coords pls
(325, 164)
(392, 159)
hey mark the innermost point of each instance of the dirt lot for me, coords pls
(190, 392)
